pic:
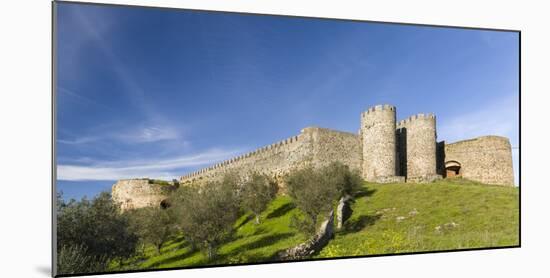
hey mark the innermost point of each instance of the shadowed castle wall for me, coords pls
(417, 147)
(486, 159)
(313, 146)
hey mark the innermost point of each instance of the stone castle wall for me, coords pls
(378, 141)
(331, 145)
(416, 150)
(384, 151)
(313, 146)
(485, 159)
(139, 193)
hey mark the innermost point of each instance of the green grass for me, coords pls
(251, 242)
(159, 182)
(383, 222)
(384, 219)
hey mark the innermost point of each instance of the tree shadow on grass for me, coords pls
(259, 243)
(177, 242)
(280, 211)
(359, 223)
(177, 239)
(364, 192)
(246, 220)
(169, 260)
(259, 231)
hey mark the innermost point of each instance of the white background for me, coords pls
(25, 128)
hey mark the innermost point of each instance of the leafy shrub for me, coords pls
(159, 182)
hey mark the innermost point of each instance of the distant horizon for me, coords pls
(160, 93)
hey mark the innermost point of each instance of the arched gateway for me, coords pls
(452, 169)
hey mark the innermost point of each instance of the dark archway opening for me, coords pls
(164, 204)
(453, 169)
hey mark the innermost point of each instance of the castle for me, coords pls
(384, 150)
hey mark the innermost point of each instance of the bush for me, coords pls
(257, 192)
(206, 214)
(159, 182)
(96, 228)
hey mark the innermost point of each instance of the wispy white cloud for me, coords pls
(134, 91)
(148, 134)
(133, 135)
(499, 117)
(79, 141)
(154, 129)
(61, 92)
(160, 168)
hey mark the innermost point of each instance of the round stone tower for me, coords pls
(418, 154)
(378, 141)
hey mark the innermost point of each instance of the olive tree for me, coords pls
(75, 259)
(346, 181)
(153, 225)
(315, 191)
(95, 228)
(206, 213)
(257, 192)
(313, 196)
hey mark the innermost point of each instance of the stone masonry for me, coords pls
(383, 151)
(139, 193)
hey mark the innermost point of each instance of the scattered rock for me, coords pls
(413, 212)
(446, 227)
(385, 210)
(400, 218)
(450, 225)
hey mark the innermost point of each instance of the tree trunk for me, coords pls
(209, 251)
(159, 246)
(314, 219)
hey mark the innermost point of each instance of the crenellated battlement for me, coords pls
(378, 141)
(417, 147)
(383, 150)
(378, 108)
(416, 117)
(234, 160)
(278, 156)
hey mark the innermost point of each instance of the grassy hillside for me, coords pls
(252, 243)
(388, 218)
(449, 214)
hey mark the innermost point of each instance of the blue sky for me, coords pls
(159, 93)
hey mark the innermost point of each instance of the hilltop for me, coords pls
(386, 219)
